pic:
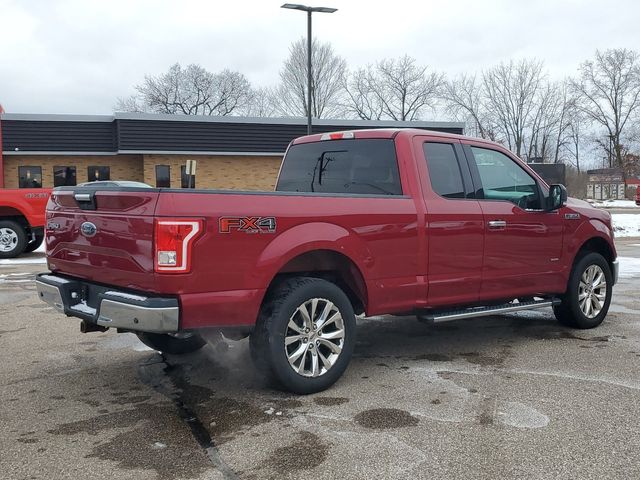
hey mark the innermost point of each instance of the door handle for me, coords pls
(497, 224)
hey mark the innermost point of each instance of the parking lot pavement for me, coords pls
(510, 396)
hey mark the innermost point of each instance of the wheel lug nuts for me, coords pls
(318, 343)
(306, 330)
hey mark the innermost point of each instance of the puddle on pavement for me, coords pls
(383, 418)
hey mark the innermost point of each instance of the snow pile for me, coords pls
(613, 203)
(629, 267)
(626, 224)
(24, 260)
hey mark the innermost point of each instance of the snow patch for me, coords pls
(626, 224)
(23, 260)
(613, 203)
(83, 308)
(516, 414)
(629, 267)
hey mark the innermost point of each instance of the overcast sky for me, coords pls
(78, 56)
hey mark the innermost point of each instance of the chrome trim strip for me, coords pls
(491, 311)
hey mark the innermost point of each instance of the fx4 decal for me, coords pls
(247, 224)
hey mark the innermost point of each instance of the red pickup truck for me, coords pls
(22, 214)
(368, 222)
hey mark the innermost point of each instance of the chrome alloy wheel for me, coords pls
(8, 240)
(592, 291)
(314, 338)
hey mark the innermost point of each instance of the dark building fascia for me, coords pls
(150, 133)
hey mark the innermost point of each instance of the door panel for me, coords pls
(523, 243)
(454, 224)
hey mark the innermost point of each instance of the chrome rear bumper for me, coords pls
(108, 307)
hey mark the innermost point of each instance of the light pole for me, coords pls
(309, 10)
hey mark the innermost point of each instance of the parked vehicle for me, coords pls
(367, 222)
(638, 196)
(22, 214)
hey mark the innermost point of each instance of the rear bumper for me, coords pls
(108, 307)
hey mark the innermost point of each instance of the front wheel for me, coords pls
(586, 301)
(174, 344)
(305, 335)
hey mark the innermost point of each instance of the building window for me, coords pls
(163, 176)
(64, 176)
(30, 177)
(185, 178)
(96, 174)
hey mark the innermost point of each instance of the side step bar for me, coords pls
(437, 317)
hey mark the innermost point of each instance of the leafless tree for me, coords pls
(261, 103)
(511, 91)
(190, 91)
(327, 81)
(464, 100)
(362, 99)
(609, 93)
(397, 89)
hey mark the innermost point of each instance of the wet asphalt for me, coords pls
(509, 396)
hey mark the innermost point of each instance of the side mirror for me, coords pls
(557, 197)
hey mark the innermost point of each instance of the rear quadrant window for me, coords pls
(361, 166)
(444, 170)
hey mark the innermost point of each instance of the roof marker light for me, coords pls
(337, 136)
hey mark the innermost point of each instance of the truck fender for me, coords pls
(594, 228)
(309, 237)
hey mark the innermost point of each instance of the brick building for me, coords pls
(232, 152)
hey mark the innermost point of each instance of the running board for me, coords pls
(484, 311)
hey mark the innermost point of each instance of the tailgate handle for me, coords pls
(82, 197)
(86, 200)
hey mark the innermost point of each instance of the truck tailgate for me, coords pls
(103, 236)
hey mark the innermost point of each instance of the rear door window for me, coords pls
(362, 166)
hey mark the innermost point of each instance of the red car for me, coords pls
(638, 196)
(22, 213)
(367, 222)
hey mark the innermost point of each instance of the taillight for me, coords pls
(173, 240)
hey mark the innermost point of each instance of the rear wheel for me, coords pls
(35, 243)
(174, 343)
(305, 335)
(13, 239)
(586, 302)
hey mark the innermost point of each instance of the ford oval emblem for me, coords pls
(88, 229)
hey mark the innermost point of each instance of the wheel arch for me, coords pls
(318, 249)
(330, 265)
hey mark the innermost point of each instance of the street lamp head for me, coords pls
(304, 8)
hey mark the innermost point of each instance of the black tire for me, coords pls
(173, 345)
(569, 313)
(35, 243)
(14, 239)
(267, 342)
